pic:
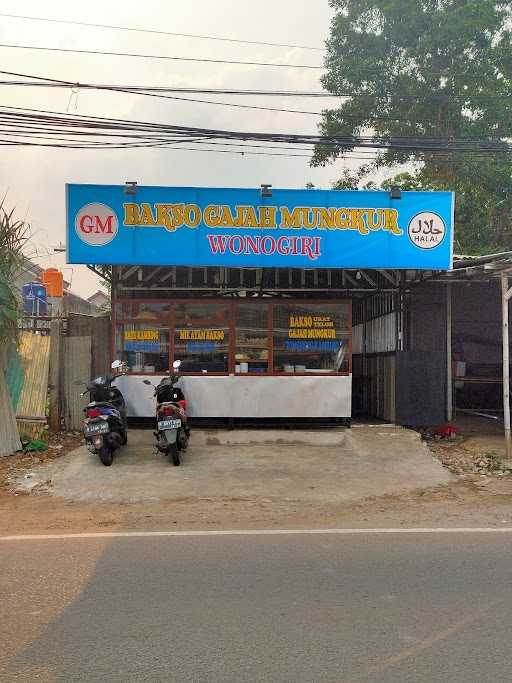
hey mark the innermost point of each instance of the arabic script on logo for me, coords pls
(427, 230)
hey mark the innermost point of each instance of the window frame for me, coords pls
(118, 322)
(270, 338)
(230, 328)
(232, 304)
(289, 303)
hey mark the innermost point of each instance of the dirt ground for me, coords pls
(481, 495)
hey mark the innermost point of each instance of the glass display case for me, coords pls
(249, 337)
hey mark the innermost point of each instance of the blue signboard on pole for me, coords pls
(187, 226)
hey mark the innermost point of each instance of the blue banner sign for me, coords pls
(145, 346)
(201, 347)
(187, 226)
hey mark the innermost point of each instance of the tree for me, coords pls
(13, 235)
(107, 275)
(430, 72)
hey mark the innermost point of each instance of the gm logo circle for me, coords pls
(96, 224)
(427, 230)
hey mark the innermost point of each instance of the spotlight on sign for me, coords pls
(395, 193)
(130, 187)
(266, 190)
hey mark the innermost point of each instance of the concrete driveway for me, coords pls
(317, 466)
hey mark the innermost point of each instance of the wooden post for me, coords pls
(54, 380)
(449, 371)
(505, 296)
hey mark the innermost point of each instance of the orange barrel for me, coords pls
(54, 281)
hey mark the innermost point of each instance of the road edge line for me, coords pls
(255, 532)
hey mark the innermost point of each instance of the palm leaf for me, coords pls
(14, 234)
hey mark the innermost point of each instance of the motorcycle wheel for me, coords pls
(182, 440)
(106, 456)
(174, 454)
(124, 440)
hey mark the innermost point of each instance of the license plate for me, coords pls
(169, 424)
(96, 428)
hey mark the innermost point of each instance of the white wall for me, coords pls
(308, 397)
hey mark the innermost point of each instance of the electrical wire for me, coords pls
(43, 81)
(53, 82)
(147, 56)
(127, 90)
(161, 33)
(138, 91)
(196, 91)
(19, 125)
(362, 155)
(49, 82)
(76, 119)
(7, 143)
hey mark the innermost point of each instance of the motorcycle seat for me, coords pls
(101, 404)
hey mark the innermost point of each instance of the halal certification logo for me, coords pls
(427, 230)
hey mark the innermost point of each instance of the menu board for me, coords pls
(201, 335)
(147, 341)
(201, 340)
(311, 333)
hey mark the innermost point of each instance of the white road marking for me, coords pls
(257, 532)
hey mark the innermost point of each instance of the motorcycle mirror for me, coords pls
(176, 364)
(146, 381)
(116, 364)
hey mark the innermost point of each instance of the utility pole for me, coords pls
(506, 294)
(55, 375)
(449, 370)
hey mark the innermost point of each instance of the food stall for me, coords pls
(249, 348)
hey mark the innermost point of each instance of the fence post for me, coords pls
(54, 382)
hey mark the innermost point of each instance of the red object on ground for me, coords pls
(446, 431)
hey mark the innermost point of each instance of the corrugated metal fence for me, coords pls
(76, 372)
(79, 349)
(376, 336)
(375, 341)
(374, 386)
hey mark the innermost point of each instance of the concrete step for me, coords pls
(271, 437)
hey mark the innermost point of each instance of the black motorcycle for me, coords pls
(105, 425)
(173, 431)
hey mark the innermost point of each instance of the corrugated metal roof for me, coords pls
(502, 257)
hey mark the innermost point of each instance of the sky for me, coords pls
(34, 179)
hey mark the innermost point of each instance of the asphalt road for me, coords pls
(386, 608)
